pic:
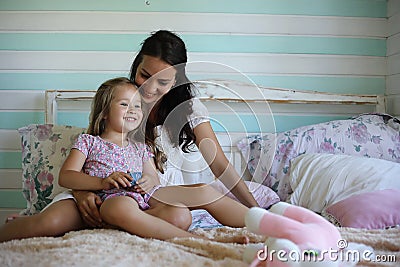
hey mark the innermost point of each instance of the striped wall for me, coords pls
(329, 46)
(393, 54)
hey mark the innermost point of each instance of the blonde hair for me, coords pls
(101, 104)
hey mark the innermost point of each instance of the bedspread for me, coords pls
(102, 247)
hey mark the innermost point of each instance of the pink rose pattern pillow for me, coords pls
(44, 149)
(367, 135)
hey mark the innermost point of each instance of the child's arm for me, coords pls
(71, 176)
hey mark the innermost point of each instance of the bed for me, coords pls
(308, 166)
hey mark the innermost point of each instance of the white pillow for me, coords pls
(320, 180)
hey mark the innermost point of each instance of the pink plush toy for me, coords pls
(296, 237)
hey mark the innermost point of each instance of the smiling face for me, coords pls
(125, 112)
(155, 78)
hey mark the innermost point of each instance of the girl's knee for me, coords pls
(51, 225)
(115, 210)
(178, 216)
(110, 213)
(183, 219)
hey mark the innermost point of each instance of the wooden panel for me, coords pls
(233, 101)
(212, 43)
(394, 64)
(66, 61)
(13, 120)
(119, 22)
(10, 178)
(285, 114)
(222, 63)
(12, 198)
(393, 44)
(349, 8)
(393, 106)
(10, 159)
(21, 100)
(84, 80)
(10, 140)
(393, 84)
(393, 24)
(393, 7)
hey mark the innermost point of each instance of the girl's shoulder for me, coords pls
(141, 147)
(88, 139)
(85, 136)
(84, 143)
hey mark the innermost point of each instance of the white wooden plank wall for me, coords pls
(48, 57)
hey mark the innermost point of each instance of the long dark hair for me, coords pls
(171, 49)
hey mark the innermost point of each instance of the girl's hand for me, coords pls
(88, 205)
(116, 180)
(146, 183)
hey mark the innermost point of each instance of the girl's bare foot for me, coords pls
(12, 217)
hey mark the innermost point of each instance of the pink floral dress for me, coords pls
(103, 158)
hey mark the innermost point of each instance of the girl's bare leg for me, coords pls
(124, 213)
(176, 214)
(201, 196)
(59, 218)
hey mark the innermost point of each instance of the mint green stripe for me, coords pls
(339, 85)
(43, 81)
(242, 123)
(12, 199)
(196, 43)
(285, 45)
(10, 160)
(15, 120)
(357, 8)
(70, 41)
(225, 122)
(79, 119)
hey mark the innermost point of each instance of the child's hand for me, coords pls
(146, 183)
(116, 180)
(135, 177)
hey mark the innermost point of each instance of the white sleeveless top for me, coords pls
(175, 156)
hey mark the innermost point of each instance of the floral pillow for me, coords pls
(367, 135)
(44, 149)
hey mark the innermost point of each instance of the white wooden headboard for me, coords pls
(230, 92)
(233, 91)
